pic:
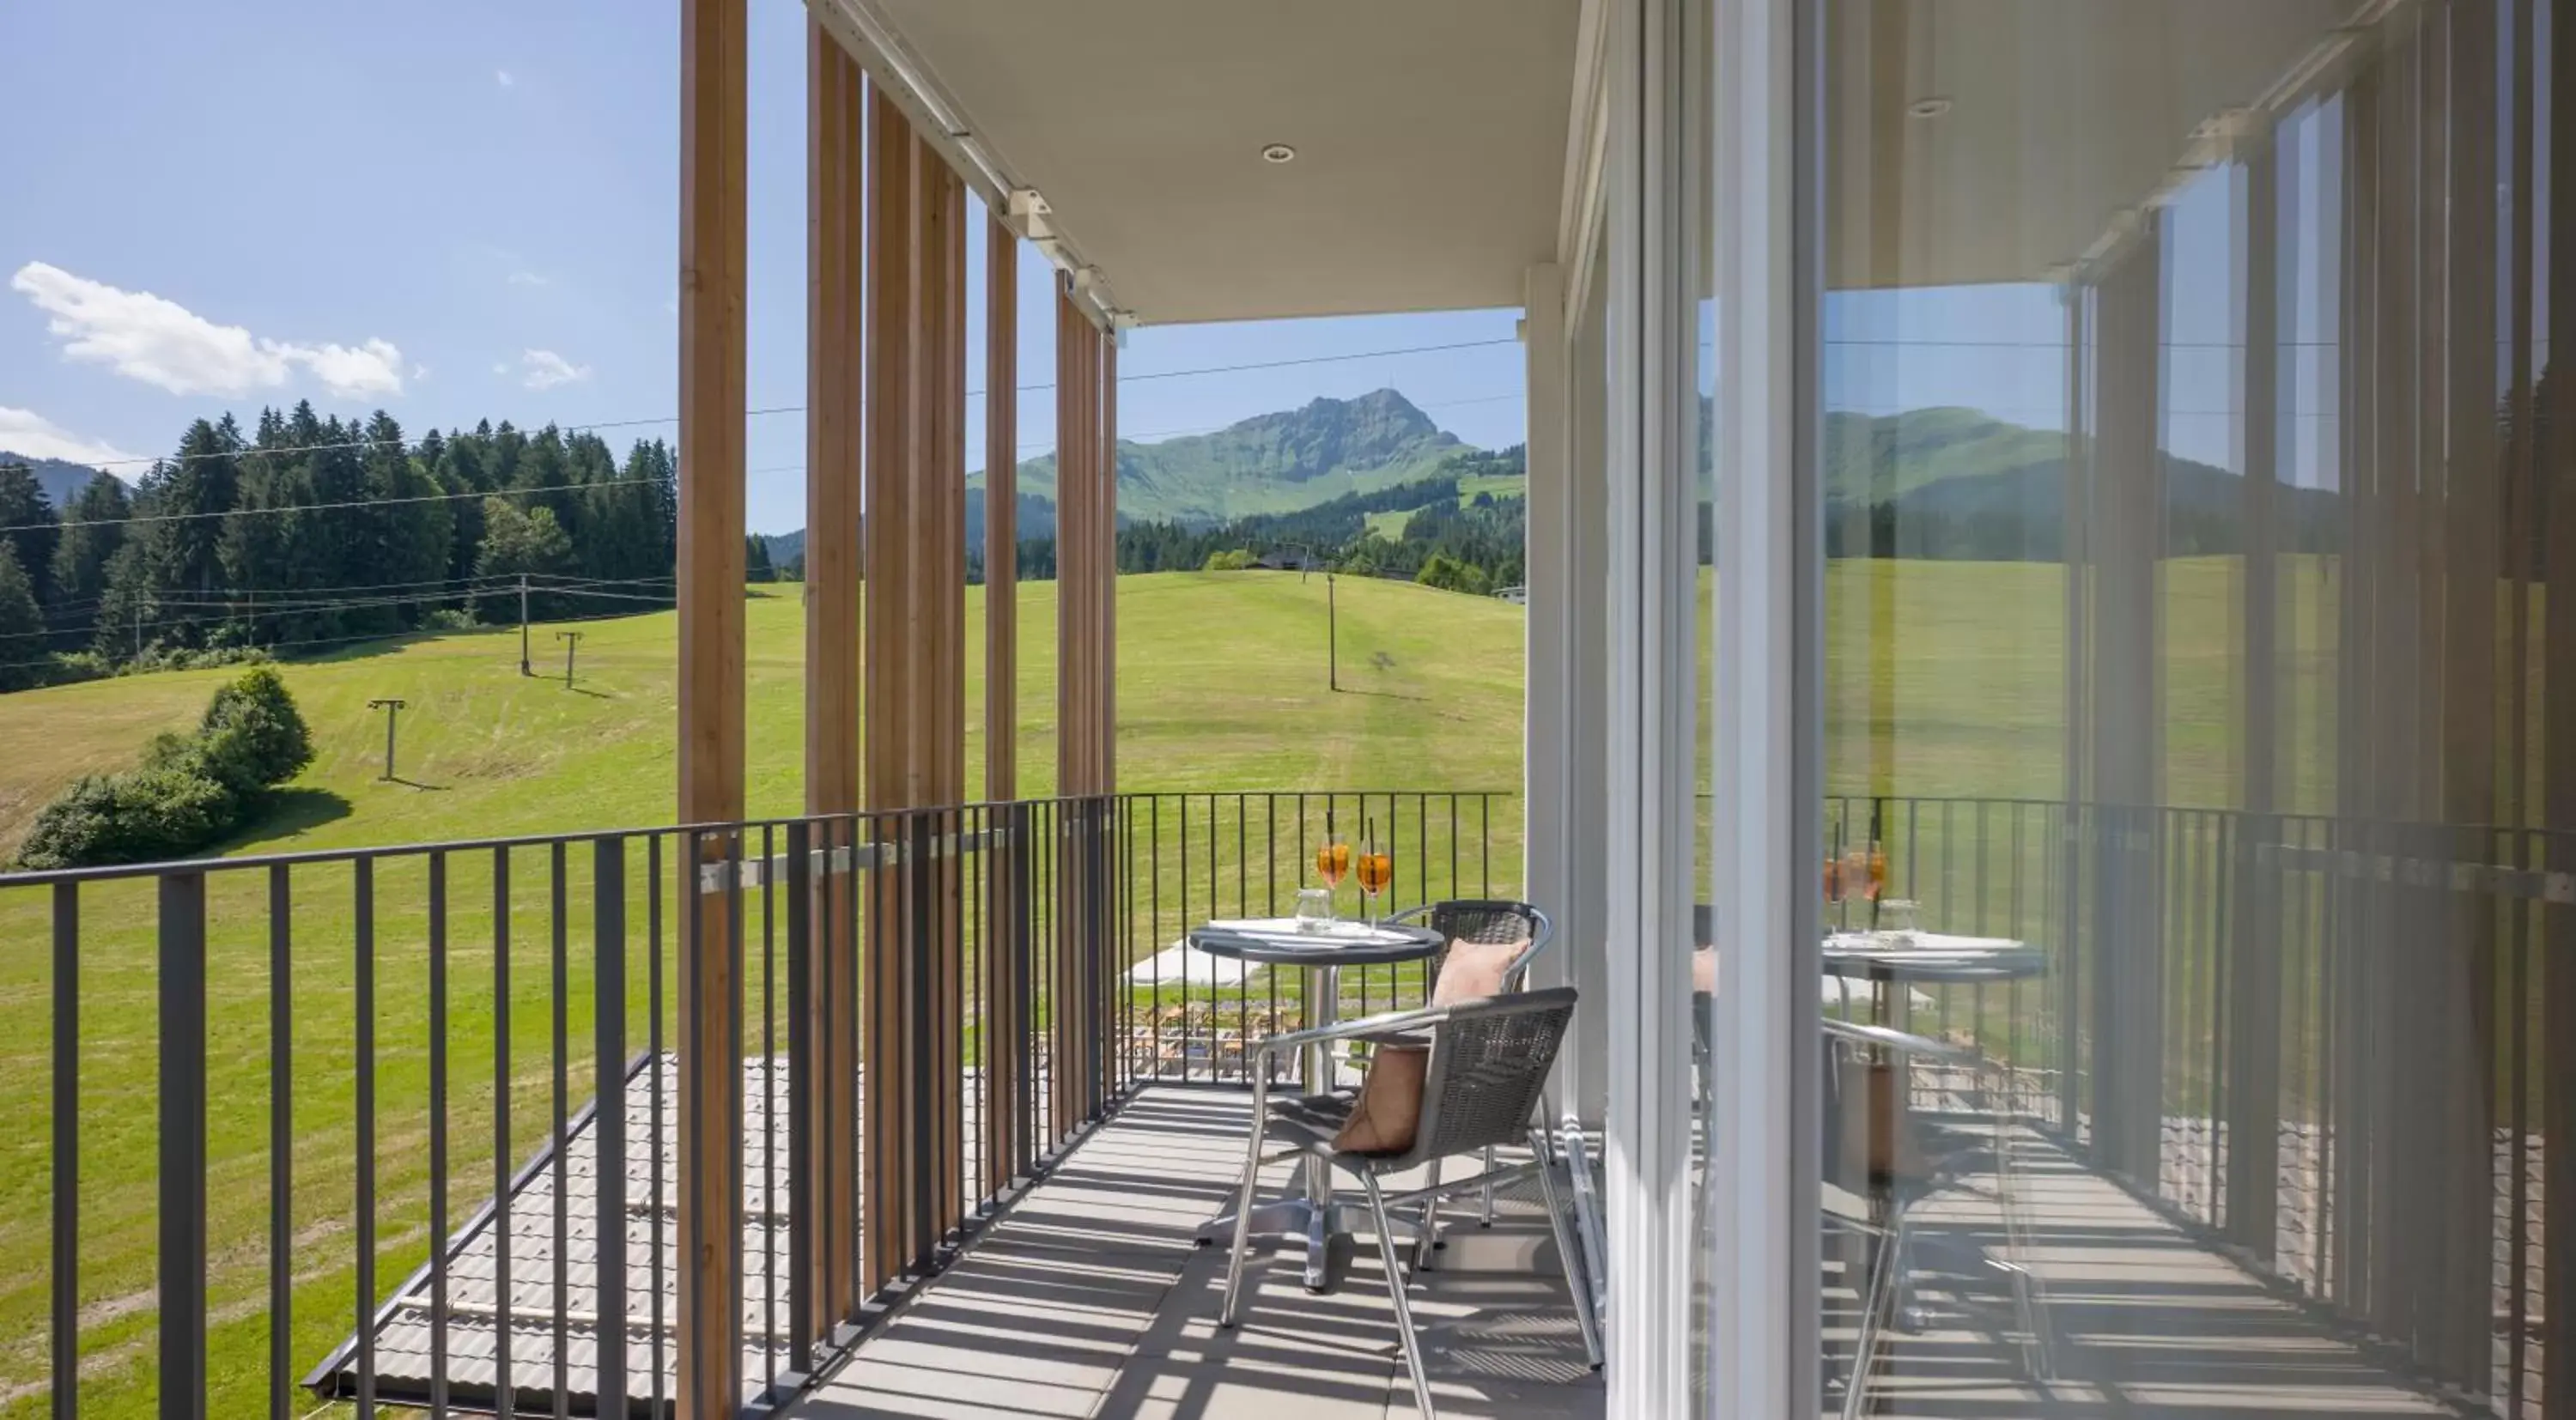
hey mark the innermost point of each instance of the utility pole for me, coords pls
(1332, 634)
(393, 711)
(523, 625)
(572, 643)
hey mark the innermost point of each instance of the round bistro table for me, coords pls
(1310, 1212)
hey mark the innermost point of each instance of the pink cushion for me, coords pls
(1475, 969)
(1390, 1104)
(1704, 971)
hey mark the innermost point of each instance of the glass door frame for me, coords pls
(1761, 229)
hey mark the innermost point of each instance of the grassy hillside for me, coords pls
(1221, 686)
(1432, 700)
(486, 751)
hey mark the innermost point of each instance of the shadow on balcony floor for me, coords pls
(1089, 1299)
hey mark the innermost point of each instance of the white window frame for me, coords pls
(1765, 1041)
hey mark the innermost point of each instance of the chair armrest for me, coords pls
(1344, 1030)
(1904, 1043)
(1410, 914)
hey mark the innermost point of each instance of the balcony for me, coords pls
(277, 1082)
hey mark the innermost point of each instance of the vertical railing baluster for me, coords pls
(365, 1066)
(182, 1179)
(769, 1102)
(281, 1143)
(66, 1161)
(561, 1056)
(804, 1088)
(661, 1198)
(1188, 924)
(505, 1391)
(608, 1119)
(438, 1134)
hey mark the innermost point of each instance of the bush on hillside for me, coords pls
(190, 790)
(252, 737)
(134, 817)
(1232, 560)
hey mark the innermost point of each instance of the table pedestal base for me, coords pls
(1305, 1218)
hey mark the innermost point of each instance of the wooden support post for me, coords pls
(2128, 932)
(1105, 692)
(1005, 1035)
(891, 319)
(835, 93)
(713, 216)
(2252, 960)
(1077, 408)
(2472, 558)
(943, 561)
(2555, 491)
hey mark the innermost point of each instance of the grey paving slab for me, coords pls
(1090, 1299)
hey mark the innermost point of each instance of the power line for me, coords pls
(1123, 378)
(397, 636)
(330, 507)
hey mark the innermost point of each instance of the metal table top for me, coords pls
(1277, 941)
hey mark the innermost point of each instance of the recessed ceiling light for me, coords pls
(1927, 108)
(1278, 153)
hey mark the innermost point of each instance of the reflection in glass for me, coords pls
(2192, 482)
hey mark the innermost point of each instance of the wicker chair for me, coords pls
(1486, 920)
(1482, 1086)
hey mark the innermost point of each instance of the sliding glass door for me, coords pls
(2156, 990)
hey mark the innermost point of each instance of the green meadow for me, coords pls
(1948, 679)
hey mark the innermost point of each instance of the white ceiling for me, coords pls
(2063, 116)
(1430, 138)
(1431, 135)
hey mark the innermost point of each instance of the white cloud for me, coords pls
(24, 431)
(162, 343)
(529, 278)
(504, 78)
(374, 368)
(544, 369)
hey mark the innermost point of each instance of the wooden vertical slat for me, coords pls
(890, 322)
(1106, 693)
(2473, 563)
(2253, 961)
(835, 218)
(713, 216)
(2555, 492)
(1074, 455)
(1004, 1032)
(944, 313)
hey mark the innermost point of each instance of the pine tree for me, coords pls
(756, 559)
(22, 624)
(93, 529)
(186, 498)
(30, 527)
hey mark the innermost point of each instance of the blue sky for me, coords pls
(469, 209)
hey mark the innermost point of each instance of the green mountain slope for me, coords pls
(1271, 463)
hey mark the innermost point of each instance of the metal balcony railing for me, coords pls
(2320, 1043)
(408, 1125)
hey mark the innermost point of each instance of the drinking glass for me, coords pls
(1332, 860)
(1377, 871)
(1314, 909)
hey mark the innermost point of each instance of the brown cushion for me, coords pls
(1475, 969)
(1390, 1104)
